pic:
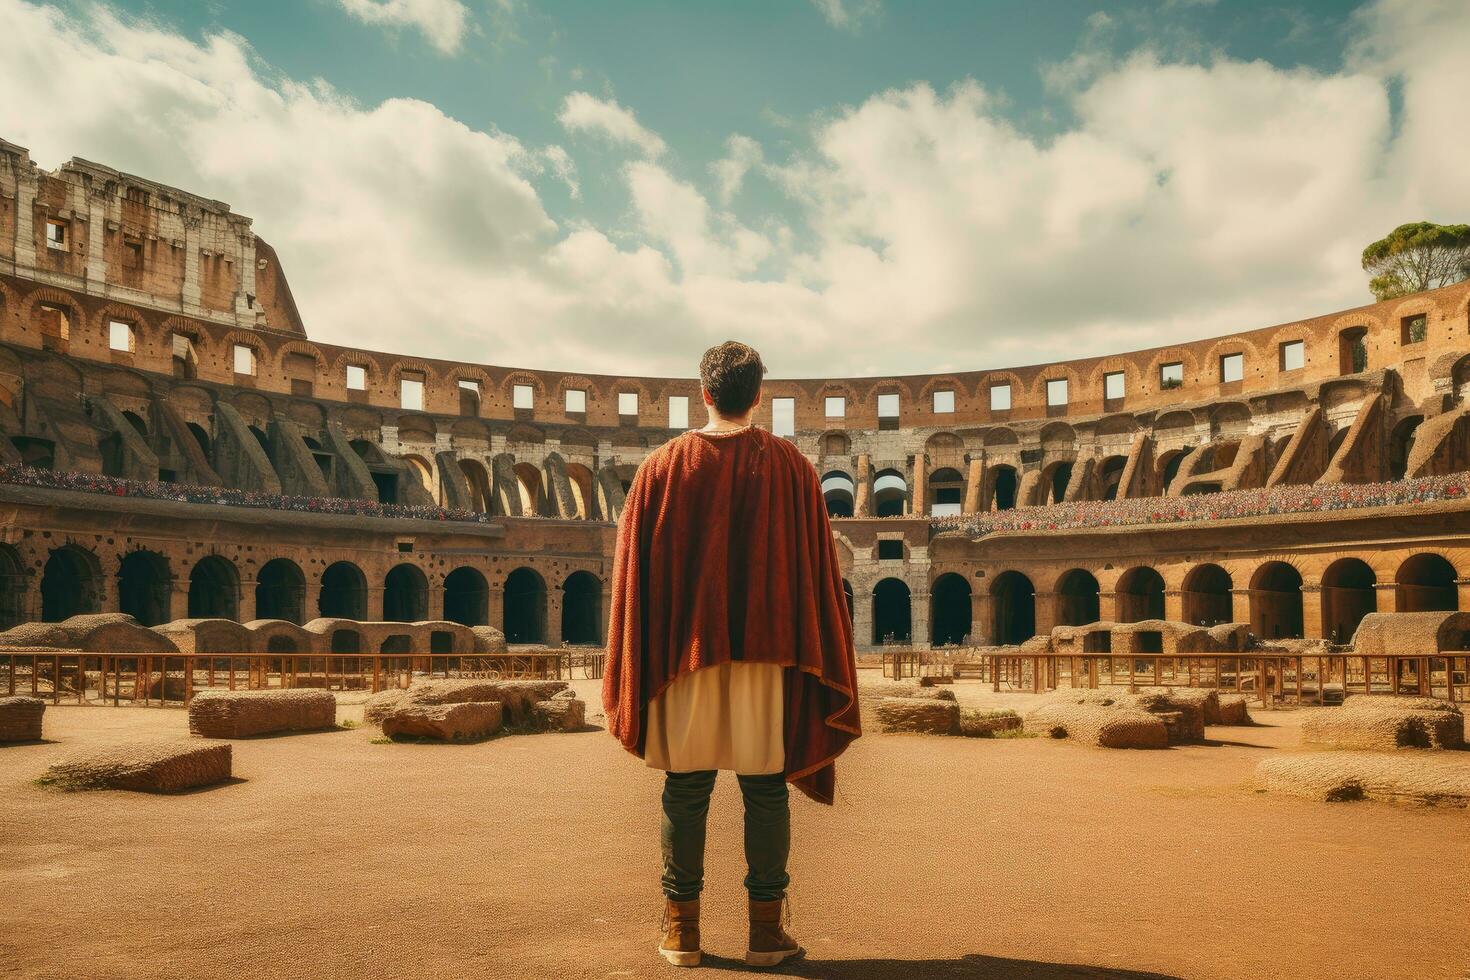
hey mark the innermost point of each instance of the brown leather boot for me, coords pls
(680, 945)
(769, 943)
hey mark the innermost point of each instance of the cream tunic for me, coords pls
(729, 716)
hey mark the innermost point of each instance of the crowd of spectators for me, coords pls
(1302, 499)
(29, 476)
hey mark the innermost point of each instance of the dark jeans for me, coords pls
(767, 834)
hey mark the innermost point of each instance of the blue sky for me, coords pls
(862, 186)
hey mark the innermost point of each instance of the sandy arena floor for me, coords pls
(536, 856)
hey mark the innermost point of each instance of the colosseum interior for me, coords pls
(175, 446)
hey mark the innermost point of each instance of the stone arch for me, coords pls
(945, 488)
(581, 609)
(1078, 599)
(1003, 484)
(532, 487)
(890, 493)
(344, 592)
(892, 612)
(1207, 596)
(1426, 582)
(71, 583)
(839, 490)
(524, 607)
(584, 492)
(467, 597)
(405, 594)
(145, 587)
(280, 591)
(1348, 594)
(1276, 601)
(1139, 595)
(13, 582)
(214, 589)
(1013, 599)
(950, 610)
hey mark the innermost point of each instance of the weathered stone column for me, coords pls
(919, 635)
(495, 606)
(1174, 605)
(974, 483)
(1240, 605)
(1107, 607)
(555, 598)
(1312, 610)
(178, 599)
(863, 505)
(247, 599)
(862, 619)
(374, 602)
(436, 601)
(919, 498)
(982, 616)
(1045, 604)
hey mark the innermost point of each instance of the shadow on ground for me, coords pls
(972, 966)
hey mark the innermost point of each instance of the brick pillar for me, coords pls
(1046, 612)
(436, 600)
(1240, 605)
(1174, 605)
(863, 505)
(247, 599)
(178, 599)
(1107, 607)
(311, 601)
(374, 601)
(554, 599)
(1312, 610)
(606, 612)
(974, 483)
(982, 617)
(1386, 597)
(919, 618)
(919, 505)
(862, 619)
(1462, 588)
(495, 606)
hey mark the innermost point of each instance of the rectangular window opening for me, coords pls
(678, 411)
(783, 417)
(1293, 355)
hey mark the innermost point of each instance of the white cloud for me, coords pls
(922, 231)
(443, 22)
(847, 15)
(741, 154)
(585, 113)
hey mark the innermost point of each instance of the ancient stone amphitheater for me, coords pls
(175, 447)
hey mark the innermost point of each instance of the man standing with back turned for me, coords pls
(729, 645)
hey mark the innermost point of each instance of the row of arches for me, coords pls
(1349, 590)
(71, 584)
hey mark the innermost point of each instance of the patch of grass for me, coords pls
(349, 725)
(381, 740)
(1014, 733)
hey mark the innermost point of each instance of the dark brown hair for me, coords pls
(731, 373)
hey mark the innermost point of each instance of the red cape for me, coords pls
(724, 553)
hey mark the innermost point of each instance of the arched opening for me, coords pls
(892, 612)
(949, 610)
(1014, 600)
(39, 454)
(946, 492)
(262, 438)
(847, 595)
(1352, 350)
(466, 597)
(1276, 602)
(1169, 464)
(1140, 595)
(584, 497)
(1003, 488)
(281, 644)
(1400, 445)
(890, 494)
(144, 586)
(1053, 489)
(347, 641)
(419, 469)
(480, 496)
(344, 592)
(1077, 598)
(1426, 583)
(533, 494)
(1206, 596)
(70, 584)
(581, 609)
(12, 587)
(136, 421)
(201, 437)
(1348, 594)
(1109, 476)
(840, 492)
(405, 595)
(524, 607)
(280, 591)
(214, 589)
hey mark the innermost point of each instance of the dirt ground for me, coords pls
(536, 856)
